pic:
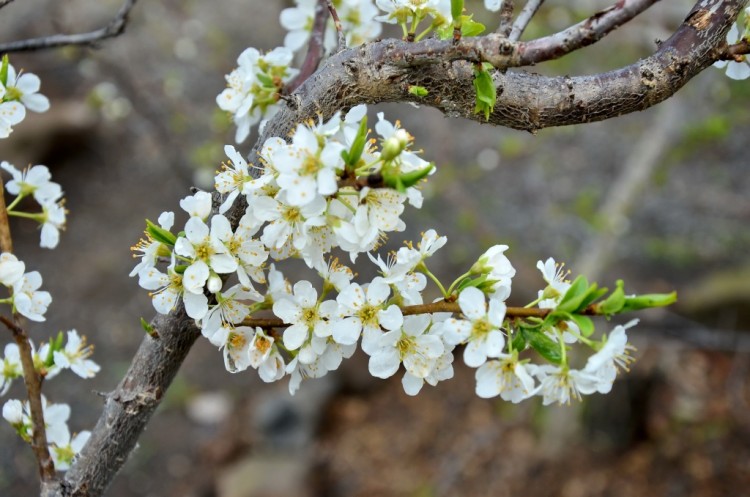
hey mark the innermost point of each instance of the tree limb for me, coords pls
(114, 28)
(523, 19)
(382, 72)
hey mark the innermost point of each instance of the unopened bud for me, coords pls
(214, 283)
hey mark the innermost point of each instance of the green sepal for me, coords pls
(518, 343)
(648, 300)
(4, 71)
(403, 181)
(466, 283)
(585, 324)
(544, 345)
(418, 91)
(351, 157)
(612, 304)
(457, 8)
(265, 79)
(486, 94)
(160, 234)
(149, 329)
(180, 269)
(580, 295)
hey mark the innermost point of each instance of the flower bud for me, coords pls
(214, 283)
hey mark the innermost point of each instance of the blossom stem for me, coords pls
(423, 33)
(33, 382)
(26, 215)
(457, 282)
(16, 200)
(423, 267)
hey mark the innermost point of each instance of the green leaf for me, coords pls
(466, 283)
(486, 92)
(648, 300)
(470, 27)
(4, 71)
(585, 324)
(544, 345)
(419, 91)
(575, 295)
(612, 304)
(518, 343)
(149, 329)
(159, 234)
(358, 146)
(265, 79)
(457, 8)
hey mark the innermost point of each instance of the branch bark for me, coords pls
(114, 28)
(382, 72)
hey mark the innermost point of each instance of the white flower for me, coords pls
(442, 370)
(613, 356)
(167, 290)
(482, 331)
(559, 383)
(411, 345)
(27, 300)
(237, 349)
(334, 273)
(11, 113)
(205, 250)
(498, 269)
(24, 86)
(228, 311)
(232, 179)
(75, 356)
(554, 274)
(299, 371)
(54, 221)
(11, 367)
(305, 315)
(399, 11)
(11, 269)
(506, 377)
(64, 452)
(309, 166)
(149, 248)
(377, 212)
(197, 205)
(288, 224)
(362, 309)
(56, 416)
(13, 412)
(492, 5)
(248, 252)
(34, 181)
(735, 69)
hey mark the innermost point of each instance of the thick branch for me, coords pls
(114, 28)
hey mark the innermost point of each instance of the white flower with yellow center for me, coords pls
(205, 253)
(481, 331)
(76, 355)
(362, 310)
(411, 345)
(507, 377)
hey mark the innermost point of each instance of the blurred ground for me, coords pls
(131, 122)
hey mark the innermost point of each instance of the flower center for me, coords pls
(236, 340)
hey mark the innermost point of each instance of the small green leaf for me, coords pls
(612, 304)
(160, 234)
(585, 324)
(575, 295)
(471, 28)
(518, 343)
(466, 283)
(544, 345)
(457, 8)
(418, 91)
(4, 71)
(648, 300)
(149, 329)
(486, 92)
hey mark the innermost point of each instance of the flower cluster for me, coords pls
(357, 20)
(333, 188)
(49, 360)
(36, 182)
(740, 67)
(25, 297)
(18, 92)
(254, 87)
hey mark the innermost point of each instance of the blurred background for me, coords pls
(659, 198)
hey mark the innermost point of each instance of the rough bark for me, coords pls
(382, 72)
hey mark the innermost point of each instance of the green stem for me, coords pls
(423, 33)
(422, 267)
(27, 215)
(535, 302)
(16, 201)
(457, 281)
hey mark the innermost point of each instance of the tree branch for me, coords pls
(381, 72)
(523, 19)
(506, 18)
(315, 49)
(340, 37)
(114, 28)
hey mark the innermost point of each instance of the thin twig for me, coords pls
(340, 37)
(33, 382)
(528, 11)
(114, 28)
(734, 52)
(315, 49)
(439, 306)
(506, 18)
(6, 242)
(3, 3)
